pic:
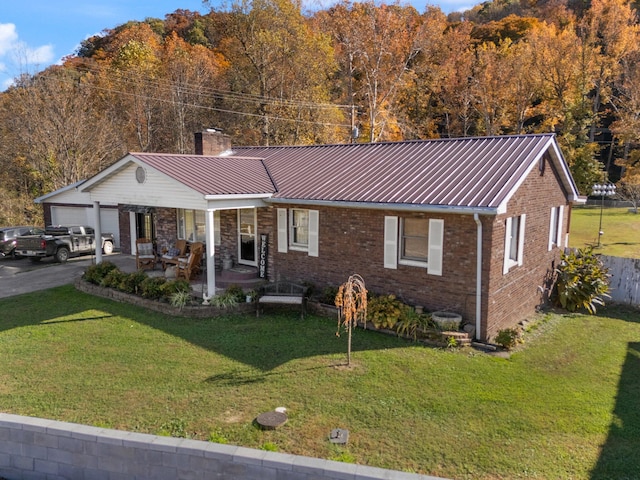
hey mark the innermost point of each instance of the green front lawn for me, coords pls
(564, 406)
(621, 231)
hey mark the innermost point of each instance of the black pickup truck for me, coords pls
(62, 243)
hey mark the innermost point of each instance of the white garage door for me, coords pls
(84, 216)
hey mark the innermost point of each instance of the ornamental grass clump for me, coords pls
(583, 281)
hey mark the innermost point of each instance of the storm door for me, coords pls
(247, 245)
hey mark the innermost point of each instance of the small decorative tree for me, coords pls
(351, 301)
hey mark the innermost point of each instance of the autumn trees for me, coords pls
(266, 72)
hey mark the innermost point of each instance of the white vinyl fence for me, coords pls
(625, 279)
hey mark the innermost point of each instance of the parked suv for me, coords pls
(8, 237)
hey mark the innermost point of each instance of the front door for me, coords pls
(145, 226)
(247, 245)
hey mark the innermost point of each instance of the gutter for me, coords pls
(478, 275)
(406, 207)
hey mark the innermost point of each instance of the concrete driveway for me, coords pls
(22, 276)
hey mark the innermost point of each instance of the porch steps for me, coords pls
(242, 275)
(463, 339)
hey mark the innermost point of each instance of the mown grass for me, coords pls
(564, 406)
(621, 237)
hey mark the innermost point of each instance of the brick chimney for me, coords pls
(212, 142)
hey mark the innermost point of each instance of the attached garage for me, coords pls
(67, 215)
(69, 206)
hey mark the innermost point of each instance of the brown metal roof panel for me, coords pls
(515, 161)
(456, 172)
(213, 175)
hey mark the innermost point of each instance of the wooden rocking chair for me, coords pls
(145, 256)
(174, 254)
(188, 267)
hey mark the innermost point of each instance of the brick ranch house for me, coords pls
(472, 225)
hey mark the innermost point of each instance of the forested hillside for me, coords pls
(266, 72)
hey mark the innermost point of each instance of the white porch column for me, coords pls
(211, 254)
(98, 232)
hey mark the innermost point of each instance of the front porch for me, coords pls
(244, 276)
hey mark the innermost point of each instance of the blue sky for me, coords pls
(38, 33)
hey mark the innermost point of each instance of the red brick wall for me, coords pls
(125, 232)
(516, 295)
(352, 241)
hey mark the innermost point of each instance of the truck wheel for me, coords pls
(62, 255)
(107, 248)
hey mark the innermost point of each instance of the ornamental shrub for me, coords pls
(384, 311)
(96, 273)
(507, 338)
(175, 286)
(151, 287)
(131, 282)
(113, 279)
(582, 282)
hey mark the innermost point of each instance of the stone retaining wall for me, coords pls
(37, 449)
(192, 311)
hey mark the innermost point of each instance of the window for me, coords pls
(298, 230)
(191, 225)
(414, 242)
(555, 227)
(414, 239)
(514, 242)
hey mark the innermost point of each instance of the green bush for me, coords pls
(96, 273)
(410, 322)
(384, 311)
(582, 281)
(151, 287)
(233, 295)
(236, 292)
(175, 286)
(507, 338)
(131, 282)
(113, 279)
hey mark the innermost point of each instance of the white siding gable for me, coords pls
(157, 190)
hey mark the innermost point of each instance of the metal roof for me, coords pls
(212, 175)
(474, 172)
(478, 174)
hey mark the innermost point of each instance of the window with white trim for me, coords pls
(415, 242)
(555, 227)
(298, 230)
(191, 225)
(513, 242)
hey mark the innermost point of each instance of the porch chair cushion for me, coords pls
(145, 249)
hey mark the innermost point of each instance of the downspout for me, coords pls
(476, 217)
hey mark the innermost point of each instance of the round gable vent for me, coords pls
(141, 175)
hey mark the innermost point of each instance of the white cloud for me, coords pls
(40, 55)
(8, 37)
(11, 46)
